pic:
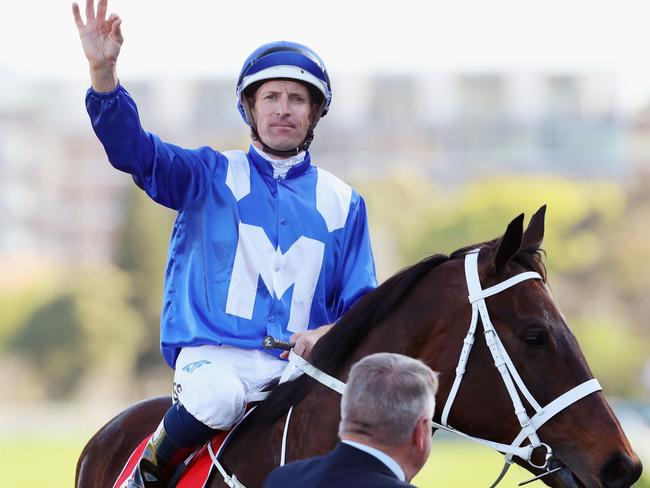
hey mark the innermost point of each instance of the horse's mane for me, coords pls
(336, 346)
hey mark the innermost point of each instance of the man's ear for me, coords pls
(421, 433)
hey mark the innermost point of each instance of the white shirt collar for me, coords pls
(382, 456)
(281, 166)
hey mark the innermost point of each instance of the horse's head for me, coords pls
(500, 292)
(584, 436)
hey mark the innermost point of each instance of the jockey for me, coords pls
(264, 241)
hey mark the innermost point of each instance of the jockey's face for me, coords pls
(283, 112)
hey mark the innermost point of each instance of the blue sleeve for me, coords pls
(357, 273)
(171, 175)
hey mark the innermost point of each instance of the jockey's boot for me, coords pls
(178, 435)
(159, 461)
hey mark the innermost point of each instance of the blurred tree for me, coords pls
(484, 208)
(614, 352)
(597, 250)
(87, 329)
(111, 328)
(47, 339)
(397, 206)
(625, 264)
(141, 252)
(16, 306)
(425, 218)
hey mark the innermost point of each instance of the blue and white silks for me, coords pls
(250, 254)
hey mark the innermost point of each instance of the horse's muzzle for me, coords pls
(620, 471)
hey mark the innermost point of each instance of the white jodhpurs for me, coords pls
(212, 382)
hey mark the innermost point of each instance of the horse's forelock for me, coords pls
(531, 258)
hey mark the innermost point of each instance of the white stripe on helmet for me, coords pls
(284, 71)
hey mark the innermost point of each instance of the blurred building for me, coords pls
(580, 132)
(58, 203)
(62, 200)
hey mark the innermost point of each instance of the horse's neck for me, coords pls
(429, 325)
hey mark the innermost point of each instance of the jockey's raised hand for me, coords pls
(101, 40)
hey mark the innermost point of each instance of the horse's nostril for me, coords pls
(620, 471)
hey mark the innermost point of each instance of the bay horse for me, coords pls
(423, 312)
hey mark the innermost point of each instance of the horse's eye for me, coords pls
(535, 340)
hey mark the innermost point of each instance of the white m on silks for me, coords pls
(299, 266)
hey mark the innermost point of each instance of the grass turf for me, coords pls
(50, 462)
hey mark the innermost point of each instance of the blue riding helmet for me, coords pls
(283, 59)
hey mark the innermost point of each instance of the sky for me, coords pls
(190, 38)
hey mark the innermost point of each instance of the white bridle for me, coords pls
(511, 379)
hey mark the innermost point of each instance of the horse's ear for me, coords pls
(534, 234)
(509, 243)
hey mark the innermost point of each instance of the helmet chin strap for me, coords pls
(285, 154)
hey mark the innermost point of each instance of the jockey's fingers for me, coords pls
(300, 347)
(102, 6)
(90, 11)
(116, 30)
(77, 16)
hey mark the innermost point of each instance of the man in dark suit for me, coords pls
(385, 429)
